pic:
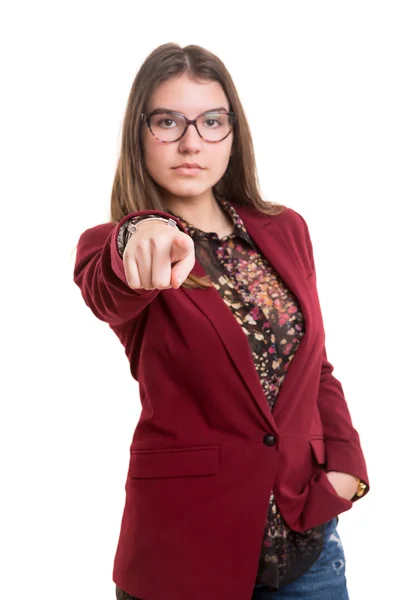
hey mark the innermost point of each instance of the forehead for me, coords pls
(188, 96)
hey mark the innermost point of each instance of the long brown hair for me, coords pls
(133, 188)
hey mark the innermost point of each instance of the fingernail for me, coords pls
(179, 280)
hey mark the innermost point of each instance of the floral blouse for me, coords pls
(270, 318)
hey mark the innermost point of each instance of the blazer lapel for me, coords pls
(271, 242)
(271, 238)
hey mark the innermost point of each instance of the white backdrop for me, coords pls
(319, 82)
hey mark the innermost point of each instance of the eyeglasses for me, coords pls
(169, 126)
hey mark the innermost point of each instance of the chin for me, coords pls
(187, 189)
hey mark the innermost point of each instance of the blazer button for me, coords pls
(269, 440)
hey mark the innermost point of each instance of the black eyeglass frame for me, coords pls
(146, 118)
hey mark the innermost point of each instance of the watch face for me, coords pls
(361, 488)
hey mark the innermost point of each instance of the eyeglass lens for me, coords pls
(169, 127)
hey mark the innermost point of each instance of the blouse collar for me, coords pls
(239, 227)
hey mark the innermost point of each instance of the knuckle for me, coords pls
(161, 284)
(189, 238)
(140, 249)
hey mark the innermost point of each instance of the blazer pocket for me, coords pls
(176, 462)
(318, 449)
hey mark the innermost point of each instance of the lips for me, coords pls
(188, 166)
(188, 170)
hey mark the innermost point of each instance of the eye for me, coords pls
(209, 122)
(214, 120)
(165, 123)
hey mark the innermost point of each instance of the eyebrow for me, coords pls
(218, 108)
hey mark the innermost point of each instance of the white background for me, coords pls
(319, 82)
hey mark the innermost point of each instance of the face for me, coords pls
(191, 98)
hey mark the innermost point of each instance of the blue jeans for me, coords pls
(325, 580)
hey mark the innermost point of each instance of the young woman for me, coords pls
(244, 453)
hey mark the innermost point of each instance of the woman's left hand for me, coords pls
(345, 485)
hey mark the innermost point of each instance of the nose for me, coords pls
(191, 141)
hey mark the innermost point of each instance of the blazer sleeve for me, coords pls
(100, 275)
(342, 442)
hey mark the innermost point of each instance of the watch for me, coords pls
(361, 487)
(130, 226)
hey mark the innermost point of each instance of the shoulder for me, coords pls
(290, 218)
(92, 241)
(280, 215)
(290, 222)
(99, 230)
(96, 234)
(294, 228)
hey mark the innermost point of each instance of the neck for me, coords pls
(203, 212)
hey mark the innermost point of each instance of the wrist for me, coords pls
(361, 487)
(129, 227)
(133, 223)
(344, 484)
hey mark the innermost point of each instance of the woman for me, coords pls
(244, 453)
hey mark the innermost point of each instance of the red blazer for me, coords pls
(207, 451)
